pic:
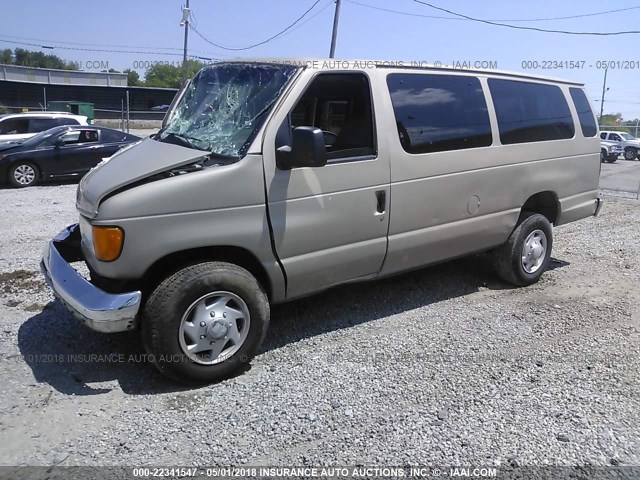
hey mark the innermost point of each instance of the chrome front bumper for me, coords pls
(99, 310)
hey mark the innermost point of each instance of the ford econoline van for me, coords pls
(275, 179)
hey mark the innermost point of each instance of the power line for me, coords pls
(301, 24)
(236, 49)
(518, 27)
(89, 49)
(193, 57)
(89, 44)
(54, 42)
(620, 101)
(409, 14)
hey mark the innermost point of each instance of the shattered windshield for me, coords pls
(225, 106)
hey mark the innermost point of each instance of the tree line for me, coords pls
(157, 75)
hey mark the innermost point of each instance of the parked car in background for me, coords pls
(630, 144)
(58, 153)
(18, 126)
(609, 151)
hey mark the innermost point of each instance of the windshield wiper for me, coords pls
(181, 140)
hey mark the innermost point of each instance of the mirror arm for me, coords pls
(283, 157)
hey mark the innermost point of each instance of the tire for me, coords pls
(189, 338)
(603, 156)
(23, 174)
(612, 158)
(532, 239)
(630, 154)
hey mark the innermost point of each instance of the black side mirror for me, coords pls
(308, 150)
(58, 143)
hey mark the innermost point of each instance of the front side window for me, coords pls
(530, 112)
(339, 104)
(224, 107)
(437, 113)
(79, 136)
(587, 120)
(615, 137)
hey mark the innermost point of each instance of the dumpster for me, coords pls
(77, 108)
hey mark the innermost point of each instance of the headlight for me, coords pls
(107, 242)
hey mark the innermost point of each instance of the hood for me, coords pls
(131, 164)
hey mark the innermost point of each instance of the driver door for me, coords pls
(79, 152)
(330, 223)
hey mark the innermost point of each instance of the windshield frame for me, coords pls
(263, 107)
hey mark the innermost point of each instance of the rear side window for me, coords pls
(14, 126)
(437, 113)
(110, 136)
(66, 121)
(530, 112)
(37, 125)
(587, 120)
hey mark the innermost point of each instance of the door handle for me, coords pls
(381, 202)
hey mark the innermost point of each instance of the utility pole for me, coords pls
(185, 22)
(604, 89)
(334, 36)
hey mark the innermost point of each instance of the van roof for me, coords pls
(338, 64)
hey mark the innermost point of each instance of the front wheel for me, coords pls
(23, 174)
(205, 322)
(630, 154)
(524, 257)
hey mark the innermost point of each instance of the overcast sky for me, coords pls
(364, 33)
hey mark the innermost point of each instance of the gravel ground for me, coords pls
(443, 366)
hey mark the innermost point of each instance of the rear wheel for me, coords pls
(205, 322)
(630, 153)
(23, 174)
(525, 256)
(613, 158)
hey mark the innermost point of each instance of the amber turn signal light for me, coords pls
(107, 242)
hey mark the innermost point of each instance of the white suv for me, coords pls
(628, 142)
(17, 126)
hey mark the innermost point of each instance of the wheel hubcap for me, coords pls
(534, 251)
(24, 174)
(214, 327)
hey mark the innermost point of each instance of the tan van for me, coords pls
(273, 180)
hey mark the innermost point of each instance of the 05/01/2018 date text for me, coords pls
(580, 64)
